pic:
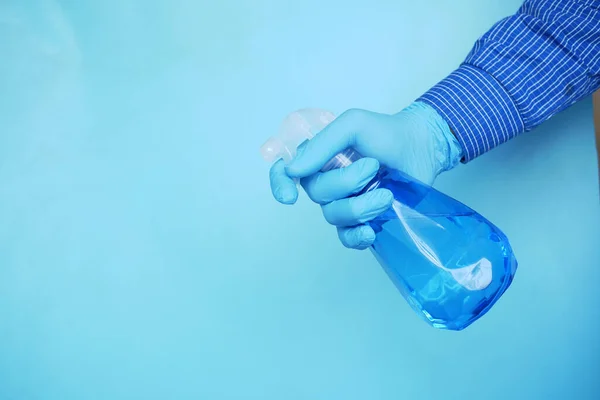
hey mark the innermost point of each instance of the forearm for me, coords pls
(527, 68)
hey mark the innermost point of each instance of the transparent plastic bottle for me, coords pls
(449, 262)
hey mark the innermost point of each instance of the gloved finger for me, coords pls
(357, 237)
(358, 210)
(282, 186)
(339, 183)
(338, 136)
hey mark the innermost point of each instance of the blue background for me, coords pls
(143, 257)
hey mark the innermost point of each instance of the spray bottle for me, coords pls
(450, 263)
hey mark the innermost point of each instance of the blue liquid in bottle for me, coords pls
(449, 262)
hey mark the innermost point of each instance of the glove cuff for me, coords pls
(447, 149)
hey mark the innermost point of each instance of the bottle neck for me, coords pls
(343, 159)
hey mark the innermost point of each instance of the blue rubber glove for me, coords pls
(416, 141)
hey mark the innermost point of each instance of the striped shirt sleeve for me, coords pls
(527, 68)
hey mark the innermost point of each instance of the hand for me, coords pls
(416, 141)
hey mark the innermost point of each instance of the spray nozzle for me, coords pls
(297, 127)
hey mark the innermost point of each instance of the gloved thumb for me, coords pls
(336, 137)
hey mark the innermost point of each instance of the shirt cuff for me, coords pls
(478, 109)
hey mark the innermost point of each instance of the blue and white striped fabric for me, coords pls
(524, 70)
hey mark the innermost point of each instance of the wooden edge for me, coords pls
(596, 100)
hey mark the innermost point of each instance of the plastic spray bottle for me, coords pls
(449, 262)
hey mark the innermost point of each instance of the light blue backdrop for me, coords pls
(141, 253)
